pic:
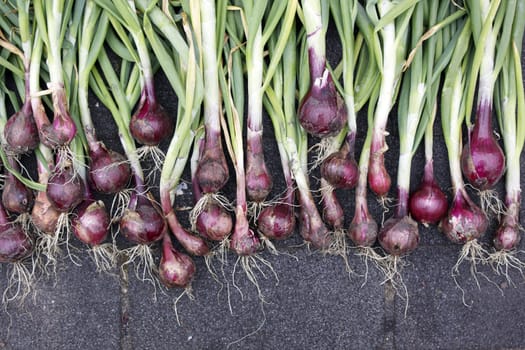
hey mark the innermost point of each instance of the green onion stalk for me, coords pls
(400, 234)
(209, 170)
(141, 220)
(340, 169)
(18, 134)
(52, 20)
(482, 160)
(243, 240)
(280, 101)
(177, 268)
(66, 186)
(270, 25)
(391, 21)
(108, 170)
(44, 216)
(266, 19)
(17, 247)
(49, 215)
(209, 216)
(150, 124)
(277, 221)
(188, 122)
(429, 204)
(363, 229)
(212, 172)
(510, 109)
(465, 222)
(322, 111)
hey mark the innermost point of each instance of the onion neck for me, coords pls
(315, 37)
(211, 81)
(388, 81)
(483, 127)
(428, 173)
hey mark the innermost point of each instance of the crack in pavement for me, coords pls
(125, 336)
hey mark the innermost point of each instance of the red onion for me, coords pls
(20, 132)
(65, 188)
(482, 159)
(175, 269)
(142, 222)
(399, 234)
(16, 197)
(340, 168)
(212, 171)
(214, 223)
(258, 179)
(322, 112)
(332, 210)
(63, 129)
(363, 229)
(109, 171)
(508, 235)
(465, 221)
(91, 224)
(378, 179)
(150, 124)
(277, 221)
(44, 215)
(243, 240)
(311, 226)
(428, 204)
(15, 244)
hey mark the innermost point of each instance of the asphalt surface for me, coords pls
(311, 302)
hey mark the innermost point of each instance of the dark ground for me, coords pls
(314, 303)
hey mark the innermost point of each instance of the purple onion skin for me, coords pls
(277, 221)
(363, 229)
(191, 243)
(16, 197)
(44, 215)
(243, 240)
(91, 224)
(175, 269)
(340, 171)
(378, 179)
(399, 235)
(143, 224)
(258, 179)
(322, 112)
(508, 235)
(212, 171)
(311, 226)
(150, 124)
(109, 172)
(482, 159)
(15, 244)
(214, 223)
(465, 221)
(63, 129)
(21, 132)
(428, 204)
(245, 244)
(332, 211)
(65, 188)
